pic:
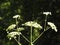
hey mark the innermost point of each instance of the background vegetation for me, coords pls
(30, 10)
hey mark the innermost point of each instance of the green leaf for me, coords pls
(5, 5)
(35, 33)
(1, 18)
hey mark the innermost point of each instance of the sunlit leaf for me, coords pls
(11, 27)
(52, 26)
(33, 24)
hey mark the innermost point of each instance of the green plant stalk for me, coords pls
(45, 23)
(43, 31)
(38, 37)
(17, 41)
(25, 38)
(17, 28)
(31, 36)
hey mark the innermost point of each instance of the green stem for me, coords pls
(16, 23)
(17, 28)
(25, 38)
(45, 23)
(38, 37)
(17, 41)
(31, 36)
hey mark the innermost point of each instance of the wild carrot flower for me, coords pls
(47, 13)
(33, 24)
(20, 28)
(16, 16)
(11, 27)
(13, 34)
(52, 26)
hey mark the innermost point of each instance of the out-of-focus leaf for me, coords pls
(1, 18)
(5, 5)
(52, 25)
(11, 27)
(35, 33)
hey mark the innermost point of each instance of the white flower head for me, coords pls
(20, 28)
(33, 24)
(11, 27)
(16, 16)
(13, 34)
(52, 26)
(47, 13)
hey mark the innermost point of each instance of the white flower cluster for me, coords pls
(52, 26)
(33, 24)
(20, 28)
(16, 16)
(11, 27)
(47, 13)
(13, 34)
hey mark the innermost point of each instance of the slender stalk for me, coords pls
(17, 41)
(45, 23)
(16, 22)
(17, 28)
(38, 37)
(31, 36)
(25, 38)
